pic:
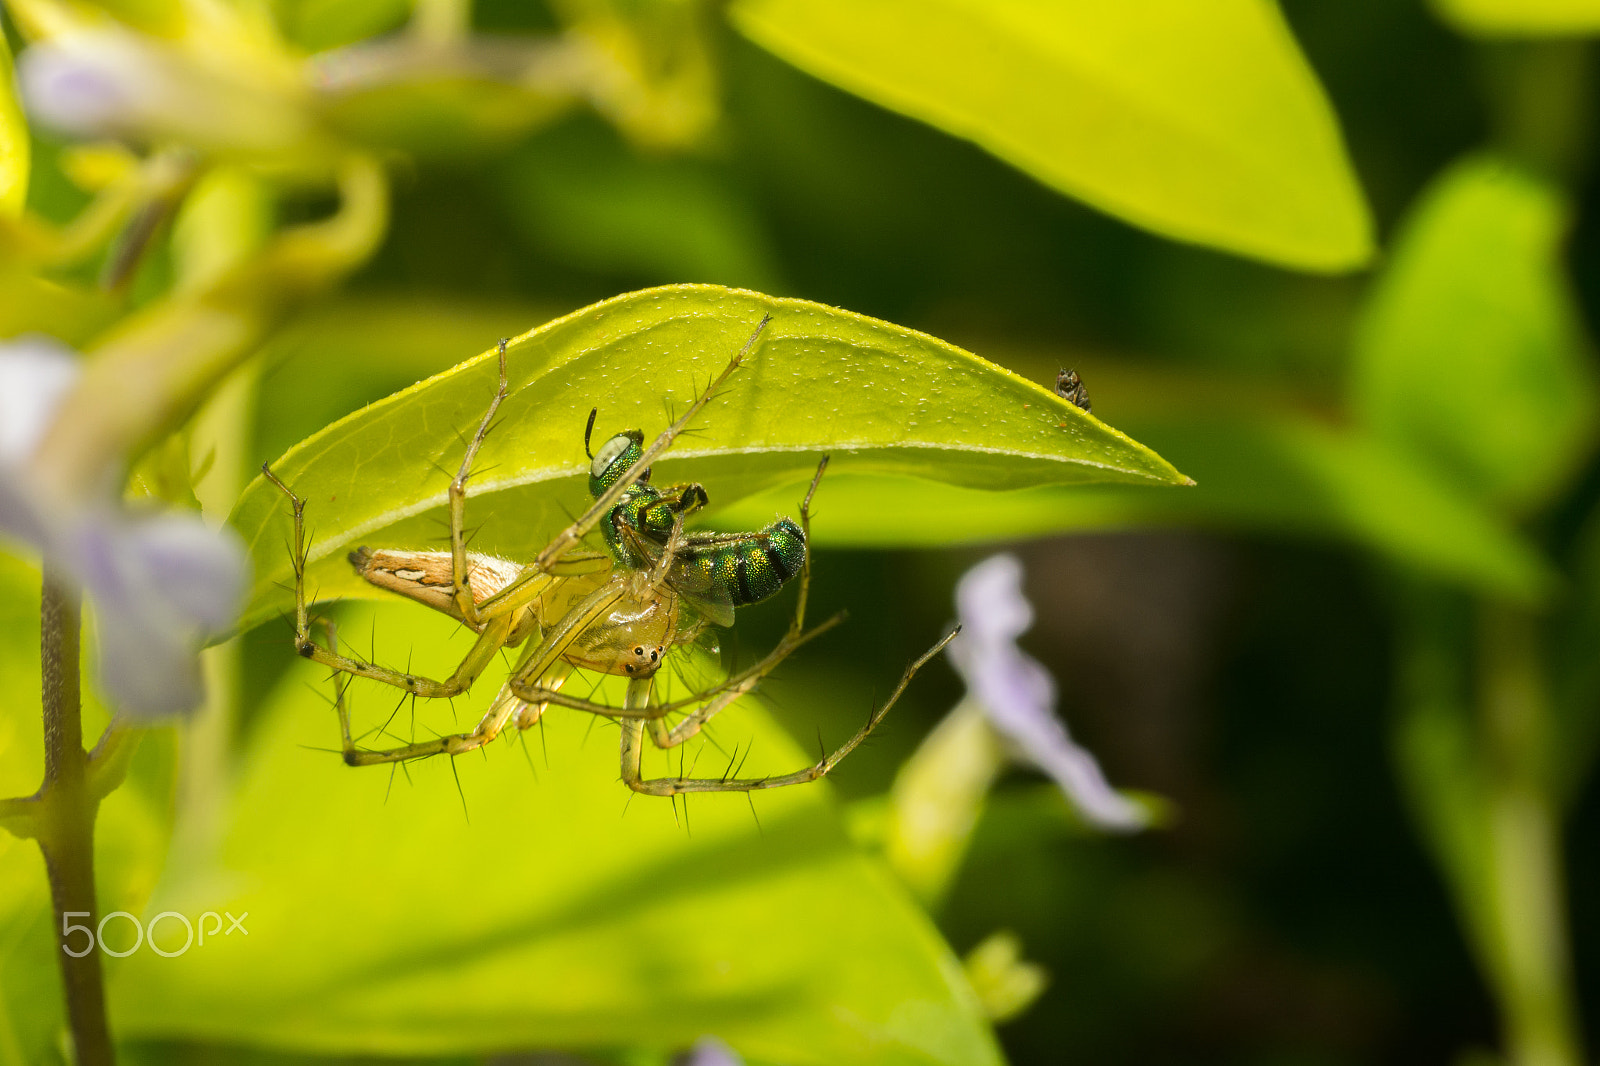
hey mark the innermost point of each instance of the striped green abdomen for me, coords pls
(752, 566)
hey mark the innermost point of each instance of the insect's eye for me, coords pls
(615, 456)
(608, 454)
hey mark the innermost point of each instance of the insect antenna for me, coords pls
(588, 430)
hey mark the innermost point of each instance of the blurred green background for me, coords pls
(1306, 654)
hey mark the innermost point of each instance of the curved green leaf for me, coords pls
(1198, 121)
(1521, 17)
(881, 399)
(1258, 472)
(1471, 355)
(15, 148)
(553, 915)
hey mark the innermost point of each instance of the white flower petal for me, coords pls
(161, 586)
(35, 375)
(1019, 695)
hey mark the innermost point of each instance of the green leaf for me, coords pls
(579, 192)
(15, 148)
(1257, 472)
(880, 398)
(1470, 355)
(321, 24)
(554, 913)
(1521, 17)
(1201, 122)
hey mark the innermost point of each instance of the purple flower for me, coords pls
(709, 1051)
(161, 584)
(109, 82)
(1018, 695)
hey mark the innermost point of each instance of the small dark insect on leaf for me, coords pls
(1070, 388)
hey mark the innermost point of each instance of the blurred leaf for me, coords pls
(1521, 17)
(880, 398)
(555, 914)
(1200, 122)
(1471, 356)
(653, 75)
(316, 25)
(581, 195)
(15, 147)
(1260, 472)
(443, 117)
(225, 220)
(1436, 748)
(1574, 634)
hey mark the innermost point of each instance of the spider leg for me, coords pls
(482, 653)
(461, 590)
(633, 747)
(569, 538)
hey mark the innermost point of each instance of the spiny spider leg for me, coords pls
(570, 537)
(715, 699)
(482, 653)
(461, 590)
(633, 747)
(495, 614)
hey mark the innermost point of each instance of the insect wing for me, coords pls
(713, 603)
(702, 592)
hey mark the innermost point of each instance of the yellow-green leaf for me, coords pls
(1521, 17)
(1198, 121)
(1470, 355)
(554, 914)
(15, 148)
(880, 398)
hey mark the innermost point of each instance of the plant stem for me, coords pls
(67, 818)
(1527, 935)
